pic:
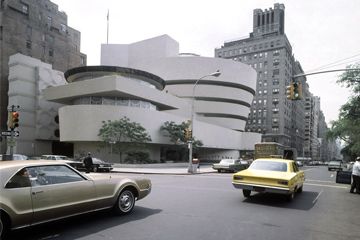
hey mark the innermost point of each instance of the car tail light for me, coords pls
(282, 182)
(237, 177)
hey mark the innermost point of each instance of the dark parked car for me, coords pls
(97, 166)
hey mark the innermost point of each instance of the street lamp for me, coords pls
(214, 74)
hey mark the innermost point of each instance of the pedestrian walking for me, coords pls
(356, 177)
(88, 162)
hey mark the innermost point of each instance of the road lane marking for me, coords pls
(324, 185)
(313, 180)
(317, 197)
(309, 169)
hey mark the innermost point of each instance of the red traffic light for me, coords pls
(14, 120)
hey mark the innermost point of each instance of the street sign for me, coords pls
(13, 108)
(8, 133)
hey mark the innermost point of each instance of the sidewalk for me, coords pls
(160, 168)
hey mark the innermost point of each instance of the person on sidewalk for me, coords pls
(88, 163)
(356, 177)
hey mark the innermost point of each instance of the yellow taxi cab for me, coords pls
(274, 175)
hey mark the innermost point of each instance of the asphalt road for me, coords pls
(207, 206)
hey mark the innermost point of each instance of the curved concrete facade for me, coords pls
(223, 100)
(96, 96)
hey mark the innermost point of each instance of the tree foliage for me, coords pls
(176, 133)
(124, 134)
(347, 126)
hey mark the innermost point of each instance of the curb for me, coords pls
(160, 173)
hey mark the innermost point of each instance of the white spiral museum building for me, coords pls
(150, 83)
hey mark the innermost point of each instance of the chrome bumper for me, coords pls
(262, 188)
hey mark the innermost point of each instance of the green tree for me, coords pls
(177, 136)
(347, 126)
(176, 133)
(124, 134)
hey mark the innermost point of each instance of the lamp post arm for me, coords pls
(192, 101)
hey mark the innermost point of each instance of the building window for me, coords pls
(276, 53)
(49, 21)
(275, 90)
(275, 81)
(96, 100)
(63, 27)
(50, 39)
(28, 44)
(276, 72)
(25, 8)
(275, 129)
(276, 62)
(51, 52)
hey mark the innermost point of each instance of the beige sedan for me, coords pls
(34, 192)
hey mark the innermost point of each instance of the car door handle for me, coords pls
(34, 193)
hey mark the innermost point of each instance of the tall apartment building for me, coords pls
(35, 28)
(269, 52)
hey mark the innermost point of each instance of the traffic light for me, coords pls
(290, 91)
(187, 134)
(294, 91)
(297, 91)
(14, 120)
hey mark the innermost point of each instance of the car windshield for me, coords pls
(334, 163)
(269, 166)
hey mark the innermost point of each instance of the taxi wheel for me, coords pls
(300, 189)
(246, 193)
(291, 196)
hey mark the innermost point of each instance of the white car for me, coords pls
(55, 157)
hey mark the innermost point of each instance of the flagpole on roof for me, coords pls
(107, 33)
